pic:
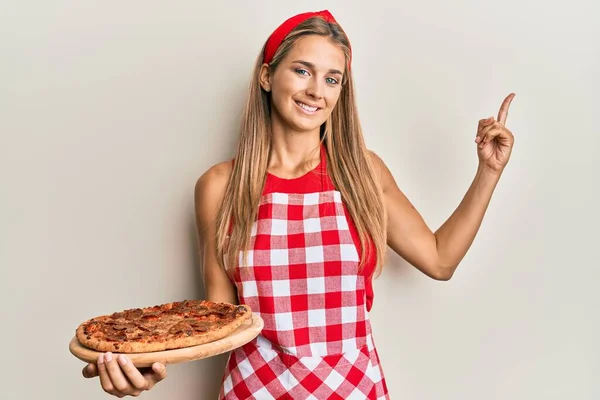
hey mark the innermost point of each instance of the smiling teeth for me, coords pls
(307, 108)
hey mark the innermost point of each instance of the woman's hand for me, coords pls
(119, 377)
(494, 140)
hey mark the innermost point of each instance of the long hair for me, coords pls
(348, 163)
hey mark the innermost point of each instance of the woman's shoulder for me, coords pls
(214, 180)
(380, 170)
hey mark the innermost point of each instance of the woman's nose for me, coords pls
(315, 89)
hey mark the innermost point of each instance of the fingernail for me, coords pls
(101, 359)
(108, 357)
(122, 360)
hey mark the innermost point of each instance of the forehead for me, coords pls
(319, 50)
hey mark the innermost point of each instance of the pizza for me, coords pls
(162, 327)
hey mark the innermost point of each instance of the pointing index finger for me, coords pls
(503, 113)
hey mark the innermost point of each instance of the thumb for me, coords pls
(89, 371)
(160, 371)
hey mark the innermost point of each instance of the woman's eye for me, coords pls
(331, 81)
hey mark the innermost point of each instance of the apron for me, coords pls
(302, 278)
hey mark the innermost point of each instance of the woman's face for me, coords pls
(306, 84)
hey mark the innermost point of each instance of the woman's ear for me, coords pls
(264, 78)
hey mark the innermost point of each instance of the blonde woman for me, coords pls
(297, 226)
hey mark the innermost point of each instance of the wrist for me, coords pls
(486, 172)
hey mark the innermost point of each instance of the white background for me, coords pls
(110, 111)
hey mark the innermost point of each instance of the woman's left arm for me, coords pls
(438, 254)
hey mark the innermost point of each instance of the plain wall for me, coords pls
(110, 111)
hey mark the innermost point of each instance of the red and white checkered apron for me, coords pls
(302, 278)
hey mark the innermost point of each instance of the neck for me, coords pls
(293, 152)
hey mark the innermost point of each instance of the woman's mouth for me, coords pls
(306, 108)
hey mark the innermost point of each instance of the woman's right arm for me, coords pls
(208, 196)
(120, 378)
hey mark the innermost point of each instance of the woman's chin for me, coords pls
(305, 126)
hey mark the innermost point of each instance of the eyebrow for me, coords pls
(311, 65)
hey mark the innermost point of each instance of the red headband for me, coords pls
(285, 28)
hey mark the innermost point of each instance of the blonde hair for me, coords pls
(348, 163)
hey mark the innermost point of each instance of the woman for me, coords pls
(306, 213)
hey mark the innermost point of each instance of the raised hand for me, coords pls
(494, 140)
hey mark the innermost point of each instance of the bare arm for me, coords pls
(407, 233)
(455, 236)
(438, 254)
(208, 195)
(435, 254)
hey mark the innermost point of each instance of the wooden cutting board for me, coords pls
(242, 335)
